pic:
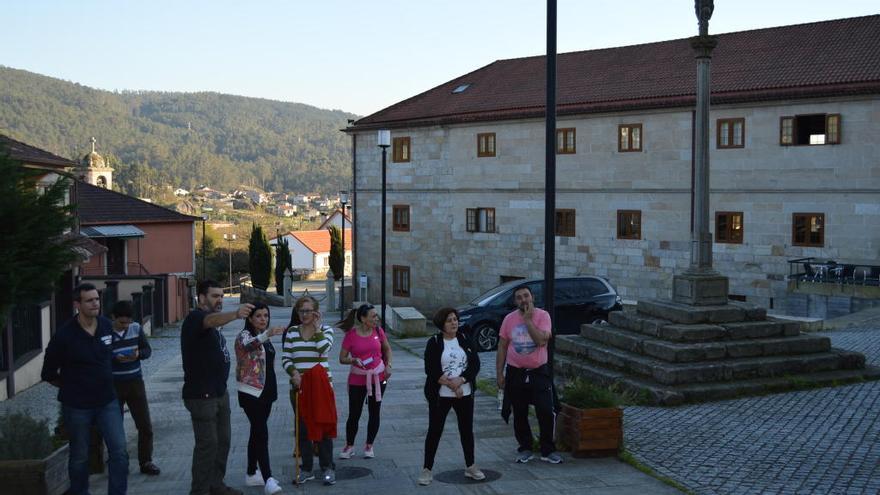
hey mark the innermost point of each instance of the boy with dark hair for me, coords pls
(130, 346)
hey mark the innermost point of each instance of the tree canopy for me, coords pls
(34, 251)
(156, 139)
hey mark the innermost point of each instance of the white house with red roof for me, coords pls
(310, 250)
(795, 114)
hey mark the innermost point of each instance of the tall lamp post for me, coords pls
(384, 143)
(229, 238)
(204, 254)
(343, 200)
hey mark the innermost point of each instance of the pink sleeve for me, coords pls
(505, 328)
(543, 323)
(381, 333)
(346, 341)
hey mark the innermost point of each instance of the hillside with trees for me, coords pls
(157, 139)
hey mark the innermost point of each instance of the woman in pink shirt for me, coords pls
(366, 349)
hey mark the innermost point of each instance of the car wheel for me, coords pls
(485, 337)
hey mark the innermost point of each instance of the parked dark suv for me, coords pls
(579, 300)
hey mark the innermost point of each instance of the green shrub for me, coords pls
(582, 394)
(23, 437)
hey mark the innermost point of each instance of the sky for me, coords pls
(354, 55)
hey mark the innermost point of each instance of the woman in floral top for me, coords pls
(257, 390)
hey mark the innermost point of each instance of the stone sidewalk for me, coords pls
(399, 446)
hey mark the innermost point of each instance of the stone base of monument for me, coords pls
(672, 353)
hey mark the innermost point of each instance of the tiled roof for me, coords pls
(32, 155)
(326, 222)
(836, 57)
(318, 241)
(99, 206)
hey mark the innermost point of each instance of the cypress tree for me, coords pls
(260, 258)
(282, 263)
(336, 252)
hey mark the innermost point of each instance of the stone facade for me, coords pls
(765, 181)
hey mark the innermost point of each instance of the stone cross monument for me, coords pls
(700, 284)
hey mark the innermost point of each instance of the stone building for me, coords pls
(795, 168)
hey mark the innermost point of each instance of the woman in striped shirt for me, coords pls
(307, 345)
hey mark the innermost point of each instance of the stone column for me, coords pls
(700, 284)
(331, 291)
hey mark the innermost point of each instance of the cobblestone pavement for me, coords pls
(824, 441)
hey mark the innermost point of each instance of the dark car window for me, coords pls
(592, 287)
(568, 292)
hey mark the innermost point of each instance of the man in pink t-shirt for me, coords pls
(521, 370)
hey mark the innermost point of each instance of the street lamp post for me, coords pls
(229, 238)
(343, 200)
(384, 142)
(204, 254)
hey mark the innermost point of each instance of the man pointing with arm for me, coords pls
(205, 372)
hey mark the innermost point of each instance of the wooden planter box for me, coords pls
(37, 476)
(590, 432)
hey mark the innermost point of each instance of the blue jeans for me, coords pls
(108, 419)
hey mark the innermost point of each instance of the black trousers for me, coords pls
(257, 411)
(531, 387)
(357, 395)
(133, 393)
(438, 409)
(307, 447)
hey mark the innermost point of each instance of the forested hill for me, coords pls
(180, 139)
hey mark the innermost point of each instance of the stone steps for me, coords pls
(702, 332)
(684, 352)
(674, 373)
(690, 315)
(673, 395)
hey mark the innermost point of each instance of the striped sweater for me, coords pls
(302, 355)
(125, 343)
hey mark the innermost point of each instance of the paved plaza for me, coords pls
(822, 441)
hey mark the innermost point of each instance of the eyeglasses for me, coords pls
(305, 311)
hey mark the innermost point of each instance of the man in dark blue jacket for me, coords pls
(78, 361)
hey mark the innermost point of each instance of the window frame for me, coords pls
(791, 135)
(472, 220)
(564, 132)
(637, 235)
(401, 281)
(562, 222)
(808, 216)
(485, 137)
(728, 237)
(397, 149)
(731, 124)
(400, 226)
(629, 139)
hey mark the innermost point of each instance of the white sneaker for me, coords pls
(346, 452)
(474, 473)
(368, 451)
(272, 486)
(426, 477)
(255, 479)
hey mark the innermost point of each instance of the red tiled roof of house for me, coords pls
(98, 206)
(318, 241)
(32, 155)
(837, 57)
